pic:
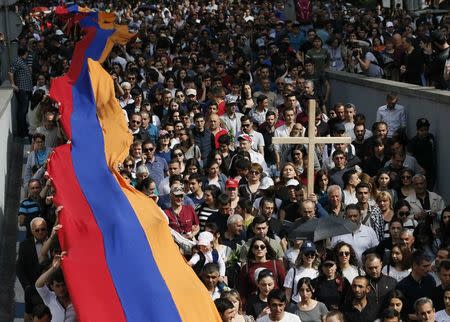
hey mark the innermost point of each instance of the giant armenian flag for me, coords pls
(121, 263)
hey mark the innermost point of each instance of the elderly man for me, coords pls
(424, 309)
(333, 202)
(363, 238)
(425, 203)
(28, 264)
(235, 233)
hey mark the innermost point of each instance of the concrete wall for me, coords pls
(6, 137)
(370, 93)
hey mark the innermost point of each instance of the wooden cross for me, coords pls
(311, 140)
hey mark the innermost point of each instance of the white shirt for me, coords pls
(288, 317)
(291, 281)
(395, 118)
(256, 157)
(281, 131)
(257, 139)
(442, 316)
(59, 314)
(209, 259)
(361, 240)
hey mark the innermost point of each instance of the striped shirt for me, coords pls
(203, 214)
(30, 209)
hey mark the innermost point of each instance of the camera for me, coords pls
(356, 52)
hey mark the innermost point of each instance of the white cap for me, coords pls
(266, 183)
(205, 238)
(292, 182)
(59, 33)
(389, 24)
(191, 91)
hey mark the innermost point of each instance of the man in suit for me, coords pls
(28, 266)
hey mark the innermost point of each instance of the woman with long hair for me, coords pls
(214, 176)
(187, 145)
(383, 183)
(257, 305)
(235, 298)
(250, 190)
(321, 182)
(384, 202)
(402, 210)
(347, 261)
(246, 101)
(444, 227)
(163, 145)
(406, 185)
(351, 180)
(397, 301)
(305, 266)
(399, 265)
(209, 206)
(331, 287)
(287, 172)
(260, 255)
(178, 154)
(308, 309)
(193, 166)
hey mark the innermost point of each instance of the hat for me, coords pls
(339, 127)
(308, 247)
(389, 24)
(296, 24)
(230, 101)
(191, 91)
(59, 33)
(163, 133)
(245, 137)
(423, 122)
(231, 184)
(292, 183)
(205, 238)
(177, 190)
(266, 183)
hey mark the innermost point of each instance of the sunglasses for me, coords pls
(310, 254)
(254, 172)
(261, 247)
(344, 253)
(148, 149)
(135, 122)
(178, 154)
(328, 264)
(403, 213)
(37, 230)
(129, 165)
(245, 125)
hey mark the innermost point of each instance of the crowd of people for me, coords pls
(205, 87)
